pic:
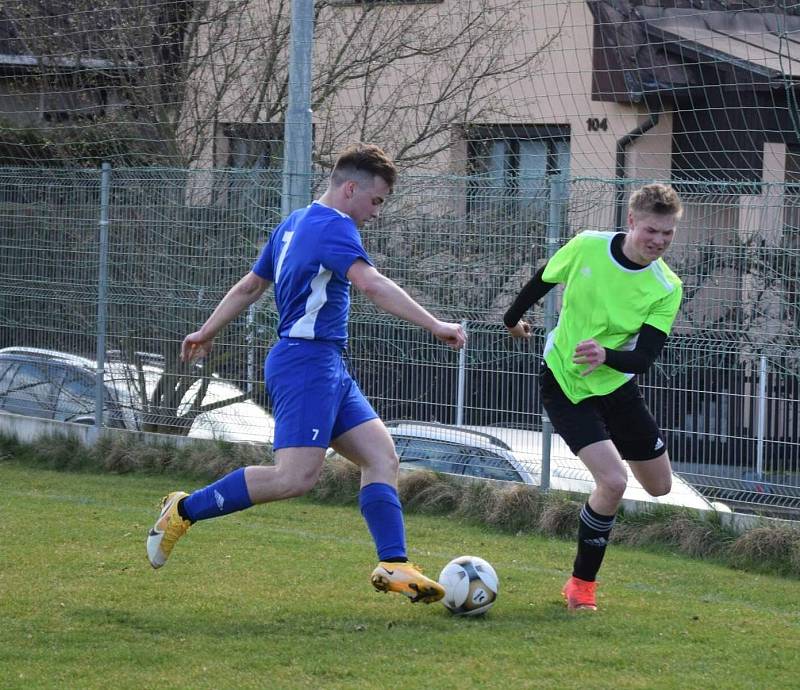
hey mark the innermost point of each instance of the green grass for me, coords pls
(765, 547)
(279, 597)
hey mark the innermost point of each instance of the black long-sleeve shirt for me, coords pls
(649, 343)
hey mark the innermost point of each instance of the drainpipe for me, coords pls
(622, 145)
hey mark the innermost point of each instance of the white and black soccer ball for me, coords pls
(470, 586)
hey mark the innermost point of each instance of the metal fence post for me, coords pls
(555, 221)
(102, 297)
(250, 338)
(297, 128)
(462, 380)
(762, 415)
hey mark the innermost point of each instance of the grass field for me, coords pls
(279, 597)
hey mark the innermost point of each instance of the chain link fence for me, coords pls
(725, 390)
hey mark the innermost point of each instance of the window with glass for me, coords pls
(76, 397)
(32, 390)
(454, 458)
(428, 454)
(509, 167)
(255, 163)
(488, 465)
(7, 368)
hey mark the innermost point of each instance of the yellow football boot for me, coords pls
(406, 579)
(169, 527)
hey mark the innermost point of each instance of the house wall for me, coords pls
(761, 227)
(554, 90)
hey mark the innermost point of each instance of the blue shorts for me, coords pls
(314, 398)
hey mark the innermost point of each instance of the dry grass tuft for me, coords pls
(477, 500)
(559, 517)
(218, 459)
(683, 530)
(412, 484)
(517, 508)
(338, 483)
(206, 460)
(426, 492)
(61, 453)
(123, 455)
(776, 548)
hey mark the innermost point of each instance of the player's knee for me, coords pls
(387, 462)
(393, 461)
(659, 487)
(308, 480)
(614, 486)
(301, 483)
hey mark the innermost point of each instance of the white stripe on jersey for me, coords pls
(661, 276)
(304, 326)
(285, 239)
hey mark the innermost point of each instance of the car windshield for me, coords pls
(77, 395)
(454, 458)
(488, 465)
(32, 389)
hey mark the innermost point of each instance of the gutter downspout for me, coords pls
(622, 145)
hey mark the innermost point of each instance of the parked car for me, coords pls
(56, 385)
(748, 493)
(456, 450)
(516, 455)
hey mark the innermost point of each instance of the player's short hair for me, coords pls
(657, 198)
(362, 161)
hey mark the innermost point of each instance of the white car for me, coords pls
(57, 385)
(516, 455)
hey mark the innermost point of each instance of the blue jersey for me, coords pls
(307, 257)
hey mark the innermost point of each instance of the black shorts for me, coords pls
(621, 416)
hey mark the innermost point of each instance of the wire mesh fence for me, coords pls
(725, 390)
(483, 104)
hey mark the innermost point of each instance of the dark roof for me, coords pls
(761, 42)
(640, 49)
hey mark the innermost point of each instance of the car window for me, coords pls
(454, 458)
(400, 444)
(32, 390)
(6, 372)
(439, 456)
(76, 401)
(76, 397)
(488, 465)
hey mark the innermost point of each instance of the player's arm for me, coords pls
(637, 361)
(238, 298)
(530, 294)
(390, 297)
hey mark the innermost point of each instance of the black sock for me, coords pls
(396, 559)
(593, 532)
(181, 510)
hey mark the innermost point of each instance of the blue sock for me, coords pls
(226, 495)
(383, 513)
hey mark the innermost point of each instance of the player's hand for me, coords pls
(521, 330)
(195, 346)
(589, 352)
(451, 334)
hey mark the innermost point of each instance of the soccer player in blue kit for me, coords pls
(312, 258)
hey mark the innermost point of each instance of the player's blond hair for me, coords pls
(657, 198)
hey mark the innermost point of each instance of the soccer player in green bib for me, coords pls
(619, 302)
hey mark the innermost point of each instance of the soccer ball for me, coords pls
(470, 586)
